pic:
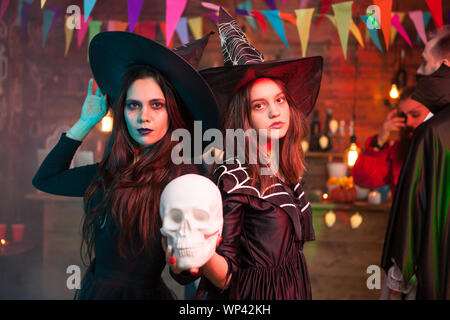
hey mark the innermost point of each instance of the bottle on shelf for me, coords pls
(315, 133)
(325, 141)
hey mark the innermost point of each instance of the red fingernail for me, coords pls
(172, 260)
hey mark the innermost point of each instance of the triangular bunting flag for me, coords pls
(436, 11)
(271, 4)
(4, 6)
(211, 6)
(353, 29)
(303, 4)
(288, 17)
(114, 25)
(84, 27)
(174, 10)
(426, 20)
(214, 16)
(182, 30)
(395, 21)
(196, 26)
(94, 28)
(401, 16)
(43, 3)
(48, 19)
(324, 7)
(385, 17)
(146, 29)
(259, 17)
(134, 9)
(162, 25)
(247, 5)
(274, 18)
(24, 11)
(88, 6)
(417, 18)
(343, 14)
(68, 35)
(304, 18)
(373, 34)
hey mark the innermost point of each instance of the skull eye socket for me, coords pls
(200, 215)
(175, 215)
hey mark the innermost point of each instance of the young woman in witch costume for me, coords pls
(267, 218)
(153, 91)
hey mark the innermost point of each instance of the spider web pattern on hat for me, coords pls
(236, 50)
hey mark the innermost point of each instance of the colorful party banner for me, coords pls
(303, 4)
(84, 26)
(163, 27)
(211, 6)
(401, 16)
(288, 17)
(196, 26)
(68, 35)
(386, 9)
(3, 7)
(134, 9)
(94, 28)
(274, 18)
(146, 29)
(182, 30)
(260, 18)
(436, 12)
(353, 29)
(174, 10)
(395, 21)
(343, 14)
(373, 34)
(24, 12)
(114, 25)
(49, 21)
(271, 4)
(88, 6)
(214, 16)
(426, 20)
(304, 18)
(247, 5)
(324, 7)
(417, 18)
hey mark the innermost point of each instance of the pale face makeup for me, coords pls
(269, 108)
(145, 112)
(415, 112)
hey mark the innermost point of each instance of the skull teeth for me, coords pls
(186, 252)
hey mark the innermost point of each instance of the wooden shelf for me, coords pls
(356, 206)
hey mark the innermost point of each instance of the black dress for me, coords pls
(263, 236)
(109, 276)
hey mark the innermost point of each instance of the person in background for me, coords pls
(416, 253)
(381, 160)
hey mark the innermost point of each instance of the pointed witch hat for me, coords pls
(243, 64)
(113, 53)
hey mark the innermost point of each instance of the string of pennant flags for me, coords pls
(390, 23)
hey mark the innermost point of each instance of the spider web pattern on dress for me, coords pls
(236, 49)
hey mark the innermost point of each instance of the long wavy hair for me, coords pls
(131, 177)
(291, 156)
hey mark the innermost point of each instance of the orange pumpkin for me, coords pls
(343, 195)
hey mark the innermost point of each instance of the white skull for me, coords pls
(191, 213)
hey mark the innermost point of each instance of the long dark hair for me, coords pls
(131, 177)
(291, 157)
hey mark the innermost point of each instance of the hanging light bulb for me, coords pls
(107, 123)
(330, 218)
(394, 92)
(356, 220)
(352, 152)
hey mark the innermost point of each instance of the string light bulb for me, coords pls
(352, 152)
(330, 218)
(394, 94)
(356, 220)
(107, 123)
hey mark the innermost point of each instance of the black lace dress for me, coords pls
(263, 236)
(109, 276)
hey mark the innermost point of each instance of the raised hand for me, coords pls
(93, 110)
(391, 124)
(94, 106)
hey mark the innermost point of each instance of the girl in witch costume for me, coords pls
(153, 91)
(267, 218)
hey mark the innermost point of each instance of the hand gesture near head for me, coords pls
(93, 110)
(392, 123)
